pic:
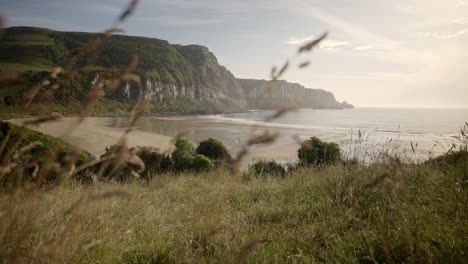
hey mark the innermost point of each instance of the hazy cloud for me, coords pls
(327, 45)
(452, 35)
(460, 21)
(364, 48)
(334, 45)
(106, 9)
(179, 21)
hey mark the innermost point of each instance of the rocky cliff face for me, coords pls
(166, 71)
(261, 94)
(216, 81)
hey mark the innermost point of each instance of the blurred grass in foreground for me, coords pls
(339, 213)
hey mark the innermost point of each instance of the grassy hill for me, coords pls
(35, 52)
(343, 212)
(175, 79)
(331, 214)
(38, 49)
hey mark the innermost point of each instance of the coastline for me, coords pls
(94, 134)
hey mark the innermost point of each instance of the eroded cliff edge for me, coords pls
(174, 78)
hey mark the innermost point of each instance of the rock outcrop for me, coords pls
(262, 94)
(166, 71)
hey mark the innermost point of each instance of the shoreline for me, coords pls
(94, 134)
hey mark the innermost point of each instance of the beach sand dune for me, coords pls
(94, 134)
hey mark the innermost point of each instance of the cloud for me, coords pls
(38, 21)
(338, 45)
(460, 3)
(256, 36)
(299, 40)
(460, 21)
(327, 45)
(179, 21)
(452, 35)
(107, 9)
(364, 48)
(334, 45)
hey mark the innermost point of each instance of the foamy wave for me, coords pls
(240, 121)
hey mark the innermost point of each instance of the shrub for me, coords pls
(111, 172)
(267, 168)
(202, 163)
(214, 150)
(155, 162)
(317, 152)
(182, 156)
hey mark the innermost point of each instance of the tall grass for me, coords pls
(331, 214)
(386, 211)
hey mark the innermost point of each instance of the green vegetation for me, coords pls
(24, 151)
(214, 150)
(47, 147)
(201, 163)
(156, 163)
(321, 211)
(183, 154)
(266, 169)
(316, 152)
(324, 211)
(35, 52)
(333, 213)
(190, 106)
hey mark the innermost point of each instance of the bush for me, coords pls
(317, 152)
(202, 163)
(214, 150)
(111, 172)
(182, 156)
(267, 168)
(155, 162)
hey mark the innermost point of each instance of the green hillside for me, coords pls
(175, 79)
(37, 49)
(34, 52)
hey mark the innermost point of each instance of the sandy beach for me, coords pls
(94, 134)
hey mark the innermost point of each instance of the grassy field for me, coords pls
(383, 213)
(345, 212)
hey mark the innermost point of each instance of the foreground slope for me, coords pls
(332, 214)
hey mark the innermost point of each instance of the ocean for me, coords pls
(363, 133)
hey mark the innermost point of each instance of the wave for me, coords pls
(241, 121)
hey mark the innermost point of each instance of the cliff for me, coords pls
(262, 94)
(174, 78)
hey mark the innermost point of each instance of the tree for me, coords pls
(202, 163)
(214, 150)
(267, 168)
(316, 152)
(183, 154)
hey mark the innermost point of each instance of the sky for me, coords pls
(399, 53)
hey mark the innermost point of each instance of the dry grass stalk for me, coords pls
(57, 70)
(304, 64)
(265, 137)
(8, 77)
(310, 45)
(204, 239)
(377, 180)
(54, 116)
(249, 246)
(2, 25)
(4, 142)
(30, 95)
(129, 10)
(280, 112)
